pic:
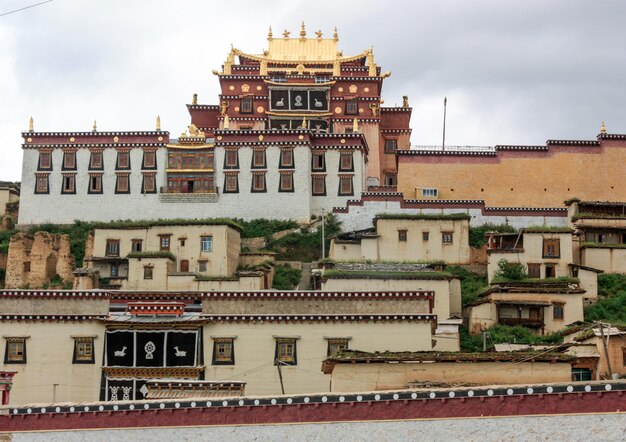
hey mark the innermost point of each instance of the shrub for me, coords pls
(511, 271)
(611, 302)
(286, 277)
(500, 334)
(477, 234)
(471, 283)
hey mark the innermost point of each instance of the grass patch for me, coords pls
(286, 277)
(471, 283)
(600, 245)
(547, 229)
(611, 305)
(157, 254)
(431, 216)
(501, 334)
(584, 215)
(364, 274)
(77, 233)
(560, 279)
(5, 239)
(142, 224)
(258, 228)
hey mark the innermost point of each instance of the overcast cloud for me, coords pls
(514, 72)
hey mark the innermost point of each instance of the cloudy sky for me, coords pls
(514, 72)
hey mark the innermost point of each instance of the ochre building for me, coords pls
(518, 176)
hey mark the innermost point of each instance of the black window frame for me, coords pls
(290, 188)
(95, 154)
(314, 178)
(47, 154)
(391, 145)
(8, 341)
(76, 358)
(120, 155)
(214, 358)
(227, 188)
(280, 341)
(246, 105)
(146, 154)
(351, 106)
(227, 164)
(90, 188)
(256, 189)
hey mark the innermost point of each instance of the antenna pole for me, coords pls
(443, 142)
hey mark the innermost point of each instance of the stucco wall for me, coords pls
(381, 376)
(521, 178)
(533, 253)
(609, 260)
(49, 351)
(52, 306)
(255, 350)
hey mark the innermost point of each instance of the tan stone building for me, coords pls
(403, 237)
(201, 255)
(600, 240)
(545, 307)
(517, 176)
(94, 345)
(615, 339)
(403, 277)
(356, 371)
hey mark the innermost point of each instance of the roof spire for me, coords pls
(304, 123)
(194, 99)
(355, 125)
(603, 128)
(270, 36)
(302, 31)
(95, 126)
(335, 35)
(31, 125)
(158, 123)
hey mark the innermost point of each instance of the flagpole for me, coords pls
(443, 142)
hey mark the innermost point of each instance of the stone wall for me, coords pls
(33, 260)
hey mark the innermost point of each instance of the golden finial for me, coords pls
(270, 36)
(302, 31)
(31, 126)
(405, 101)
(226, 122)
(303, 122)
(194, 99)
(95, 127)
(603, 128)
(319, 34)
(286, 34)
(355, 125)
(335, 35)
(158, 123)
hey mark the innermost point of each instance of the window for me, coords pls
(182, 241)
(164, 242)
(319, 185)
(26, 266)
(202, 266)
(446, 237)
(402, 235)
(95, 161)
(391, 179)
(557, 310)
(391, 146)
(246, 105)
(430, 193)
(336, 346)
(123, 160)
(148, 272)
(95, 183)
(206, 243)
(286, 158)
(112, 247)
(45, 161)
(223, 351)
(345, 186)
(551, 248)
(534, 270)
(352, 106)
(115, 270)
(425, 236)
(345, 162)
(122, 183)
(83, 351)
(231, 183)
(149, 183)
(15, 352)
(149, 160)
(69, 160)
(581, 374)
(285, 351)
(231, 159)
(41, 183)
(258, 159)
(258, 182)
(69, 184)
(286, 182)
(136, 245)
(317, 162)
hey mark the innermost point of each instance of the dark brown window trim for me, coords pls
(252, 188)
(231, 166)
(75, 357)
(91, 160)
(340, 191)
(41, 155)
(143, 160)
(350, 168)
(313, 178)
(24, 359)
(117, 183)
(117, 161)
(45, 176)
(226, 189)
(291, 189)
(90, 189)
(151, 176)
(72, 178)
(214, 359)
(262, 164)
(321, 168)
(282, 164)
(66, 155)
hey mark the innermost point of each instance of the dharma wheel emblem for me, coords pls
(149, 348)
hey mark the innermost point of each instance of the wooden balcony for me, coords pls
(524, 322)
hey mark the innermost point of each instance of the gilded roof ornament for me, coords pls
(335, 35)
(405, 101)
(603, 128)
(95, 127)
(226, 122)
(31, 125)
(319, 34)
(286, 34)
(355, 125)
(270, 36)
(302, 31)
(158, 123)
(194, 99)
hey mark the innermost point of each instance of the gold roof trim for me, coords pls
(297, 58)
(208, 170)
(189, 146)
(291, 114)
(287, 84)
